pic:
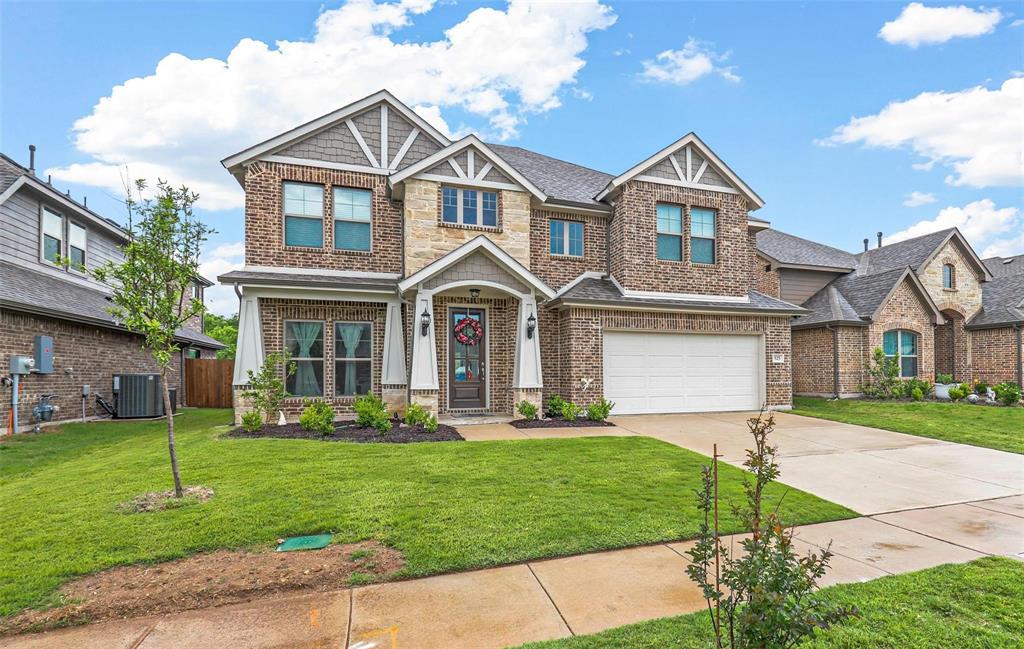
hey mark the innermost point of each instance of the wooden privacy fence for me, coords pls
(208, 382)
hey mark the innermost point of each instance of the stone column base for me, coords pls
(241, 404)
(533, 395)
(428, 399)
(394, 397)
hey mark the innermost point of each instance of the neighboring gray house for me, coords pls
(39, 226)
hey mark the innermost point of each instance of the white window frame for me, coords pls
(43, 209)
(681, 234)
(565, 238)
(899, 351)
(337, 359)
(285, 216)
(460, 204)
(85, 250)
(322, 358)
(336, 218)
(713, 238)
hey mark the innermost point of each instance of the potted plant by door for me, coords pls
(943, 382)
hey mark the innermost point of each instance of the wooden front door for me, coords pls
(467, 358)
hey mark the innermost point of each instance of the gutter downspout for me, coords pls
(1020, 354)
(835, 361)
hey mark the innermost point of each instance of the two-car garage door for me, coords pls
(669, 372)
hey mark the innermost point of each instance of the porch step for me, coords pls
(472, 418)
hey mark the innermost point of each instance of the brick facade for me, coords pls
(633, 238)
(264, 220)
(907, 310)
(766, 281)
(82, 355)
(558, 270)
(996, 355)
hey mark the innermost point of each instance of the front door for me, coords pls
(467, 358)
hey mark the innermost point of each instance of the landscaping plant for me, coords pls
(957, 393)
(1009, 394)
(883, 376)
(152, 284)
(431, 425)
(763, 597)
(570, 411)
(944, 378)
(267, 385)
(527, 409)
(917, 394)
(371, 411)
(981, 388)
(317, 416)
(415, 414)
(599, 411)
(555, 405)
(251, 421)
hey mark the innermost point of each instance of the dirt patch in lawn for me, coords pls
(212, 579)
(156, 501)
(558, 422)
(349, 431)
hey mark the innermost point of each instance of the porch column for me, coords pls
(249, 346)
(527, 365)
(393, 363)
(424, 349)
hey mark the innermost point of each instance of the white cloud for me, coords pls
(920, 25)
(977, 132)
(986, 227)
(1017, 23)
(180, 121)
(693, 61)
(214, 262)
(916, 199)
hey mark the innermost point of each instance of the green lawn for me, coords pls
(446, 506)
(988, 426)
(969, 606)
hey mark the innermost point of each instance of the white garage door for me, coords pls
(656, 372)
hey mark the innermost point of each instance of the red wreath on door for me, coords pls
(469, 332)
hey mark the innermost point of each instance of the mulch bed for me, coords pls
(558, 423)
(212, 579)
(349, 431)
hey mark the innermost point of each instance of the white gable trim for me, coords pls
(686, 183)
(688, 140)
(450, 151)
(324, 164)
(361, 142)
(986, 274)
(329, 120)
(481, 242)
(405, 148)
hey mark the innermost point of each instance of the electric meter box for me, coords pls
(44, 354)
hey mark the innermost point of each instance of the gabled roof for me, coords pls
(1003, 266)
(1002, 303)
(562, 182)
(488, 247)
(690, 139)
(829, 306)
(916, 253)
(232, 162)
(456, 147)
(788, 250)
(855, 299)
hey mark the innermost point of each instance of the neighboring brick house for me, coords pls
(39, 226)
(929, 299)
(467, 276)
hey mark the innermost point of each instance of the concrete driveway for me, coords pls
(869, 470)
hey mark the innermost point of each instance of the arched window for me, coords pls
(949, 276)
(904, 344)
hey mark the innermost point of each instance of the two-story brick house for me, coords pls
(467, 276)
(40, 228)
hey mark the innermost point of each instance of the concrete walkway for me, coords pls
(930, 503)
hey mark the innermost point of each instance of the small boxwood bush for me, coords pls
(555, 405)
(317, 416)
(252, 421)
(599, 411)
(527, 409)
(981, 388)
(955, 394)
(430, 425)
(415, 414)
(570, 411)
(1009, 394)
(371, 411)
(917, 394)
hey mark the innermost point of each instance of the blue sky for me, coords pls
(765, 84)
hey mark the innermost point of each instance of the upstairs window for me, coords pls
(702, 236)
(304, 342)
(303, 215)
(566, 238)
(670, 232)
(76, 246)
(352, 218)
(903, 344)
(469, 207)
(948, 276)
(53, 236)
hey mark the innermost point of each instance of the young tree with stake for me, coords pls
(152, 286)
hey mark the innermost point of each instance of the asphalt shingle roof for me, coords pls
(9, 172)
(560, 180)
(850, 298)
(24, 289)
(911, 252)
(788, 249)
(605, 291)
(1003, 266)
(828, 306)
(1002, 302)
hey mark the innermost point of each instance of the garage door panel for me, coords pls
(656, 372)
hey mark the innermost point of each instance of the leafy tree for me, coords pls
(152, 286)
(267, 386)
(223, 329)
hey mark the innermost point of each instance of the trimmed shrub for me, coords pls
(318, 416)
(981, 388)
(252, 421)
(415, 414)
(955, 394)
(917, 394)
(570, 411)
(1007, 393)
(430, 425)
(914, 385)
(555, 405)
(944, 378)
(527, 409)
(599, 411)
(371, 411)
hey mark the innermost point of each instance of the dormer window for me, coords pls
(462, 206)
(53, 236)
(949, 276)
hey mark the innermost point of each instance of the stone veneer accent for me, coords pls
(558, 270)
(995, 355)
(264, 220)
(426, 239)
(633, 237)
(580, 334)
(965, 296)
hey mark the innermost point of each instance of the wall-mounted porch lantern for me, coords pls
(424, 322)
(531, 325)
